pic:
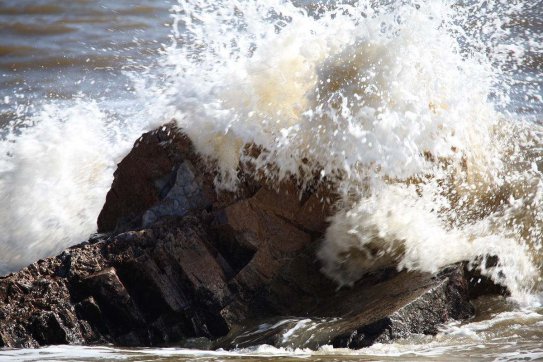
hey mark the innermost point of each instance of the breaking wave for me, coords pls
(406, 107)
(57, 168)
(422, 114)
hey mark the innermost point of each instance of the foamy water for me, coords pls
(404, 106)
(425, 114)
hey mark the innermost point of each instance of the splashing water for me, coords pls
(59, 166)
(47, 162)
(405, 106)
(422, 113)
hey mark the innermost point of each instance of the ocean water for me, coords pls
(426, 114)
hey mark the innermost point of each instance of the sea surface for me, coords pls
(427, 114)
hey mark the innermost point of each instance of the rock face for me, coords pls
(379, 309)
(144, 287)
(153, 173)
(175, 261)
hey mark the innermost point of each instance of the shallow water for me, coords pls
(81, 81)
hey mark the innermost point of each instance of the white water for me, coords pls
(414, 109)
(62, 150)
(397, 104)
(58, 169)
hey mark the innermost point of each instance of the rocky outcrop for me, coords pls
(160, 169)
(139, 288)
(378, 309)
(176, 261)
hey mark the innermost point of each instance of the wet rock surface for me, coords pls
(178, 263)
(377, 309)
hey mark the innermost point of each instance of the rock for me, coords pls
(153, 286)
(184, 195)
(178, 262)
(161, 167)
(163, 176)
(376, 309)
(36, 309)
(479, 284)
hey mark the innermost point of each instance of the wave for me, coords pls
(57, 169)
(405, 106)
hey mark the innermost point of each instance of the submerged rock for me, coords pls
(177, 261)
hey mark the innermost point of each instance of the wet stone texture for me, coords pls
(178, 263)
(186, 194)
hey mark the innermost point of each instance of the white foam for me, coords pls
(394, 102)
(399, 104)
(336, 91)
(57, 169)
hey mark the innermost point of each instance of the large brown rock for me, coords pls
(178, 261)
(145, 287)
(164, 176)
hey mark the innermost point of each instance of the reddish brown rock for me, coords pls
(146, 176)
(149, 287)
(378, 309)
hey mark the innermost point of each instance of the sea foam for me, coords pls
(407, 107)
(403, 106)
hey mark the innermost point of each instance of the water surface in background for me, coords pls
(80, 80)
(58, 50)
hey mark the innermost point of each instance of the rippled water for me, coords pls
(81, 80)
(51, 50)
